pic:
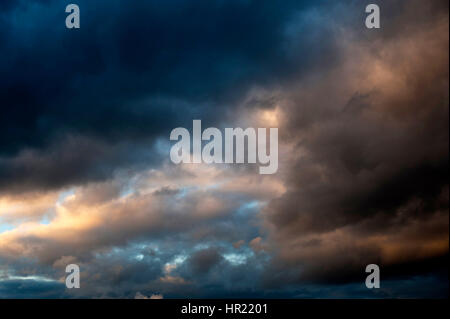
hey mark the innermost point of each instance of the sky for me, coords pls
(86, 177)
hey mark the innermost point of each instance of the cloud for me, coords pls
(363, 153)
(366, 181)
(238, 244)
(203, 260)
(99, 99)
(141, 296)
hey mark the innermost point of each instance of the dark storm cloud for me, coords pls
(76, 160)
(17, 289)
(365, 124)
(132, 72)
(203, 260)
(369, 182)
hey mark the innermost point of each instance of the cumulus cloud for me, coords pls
(363, 152)
(141, 296)
(368, 174)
